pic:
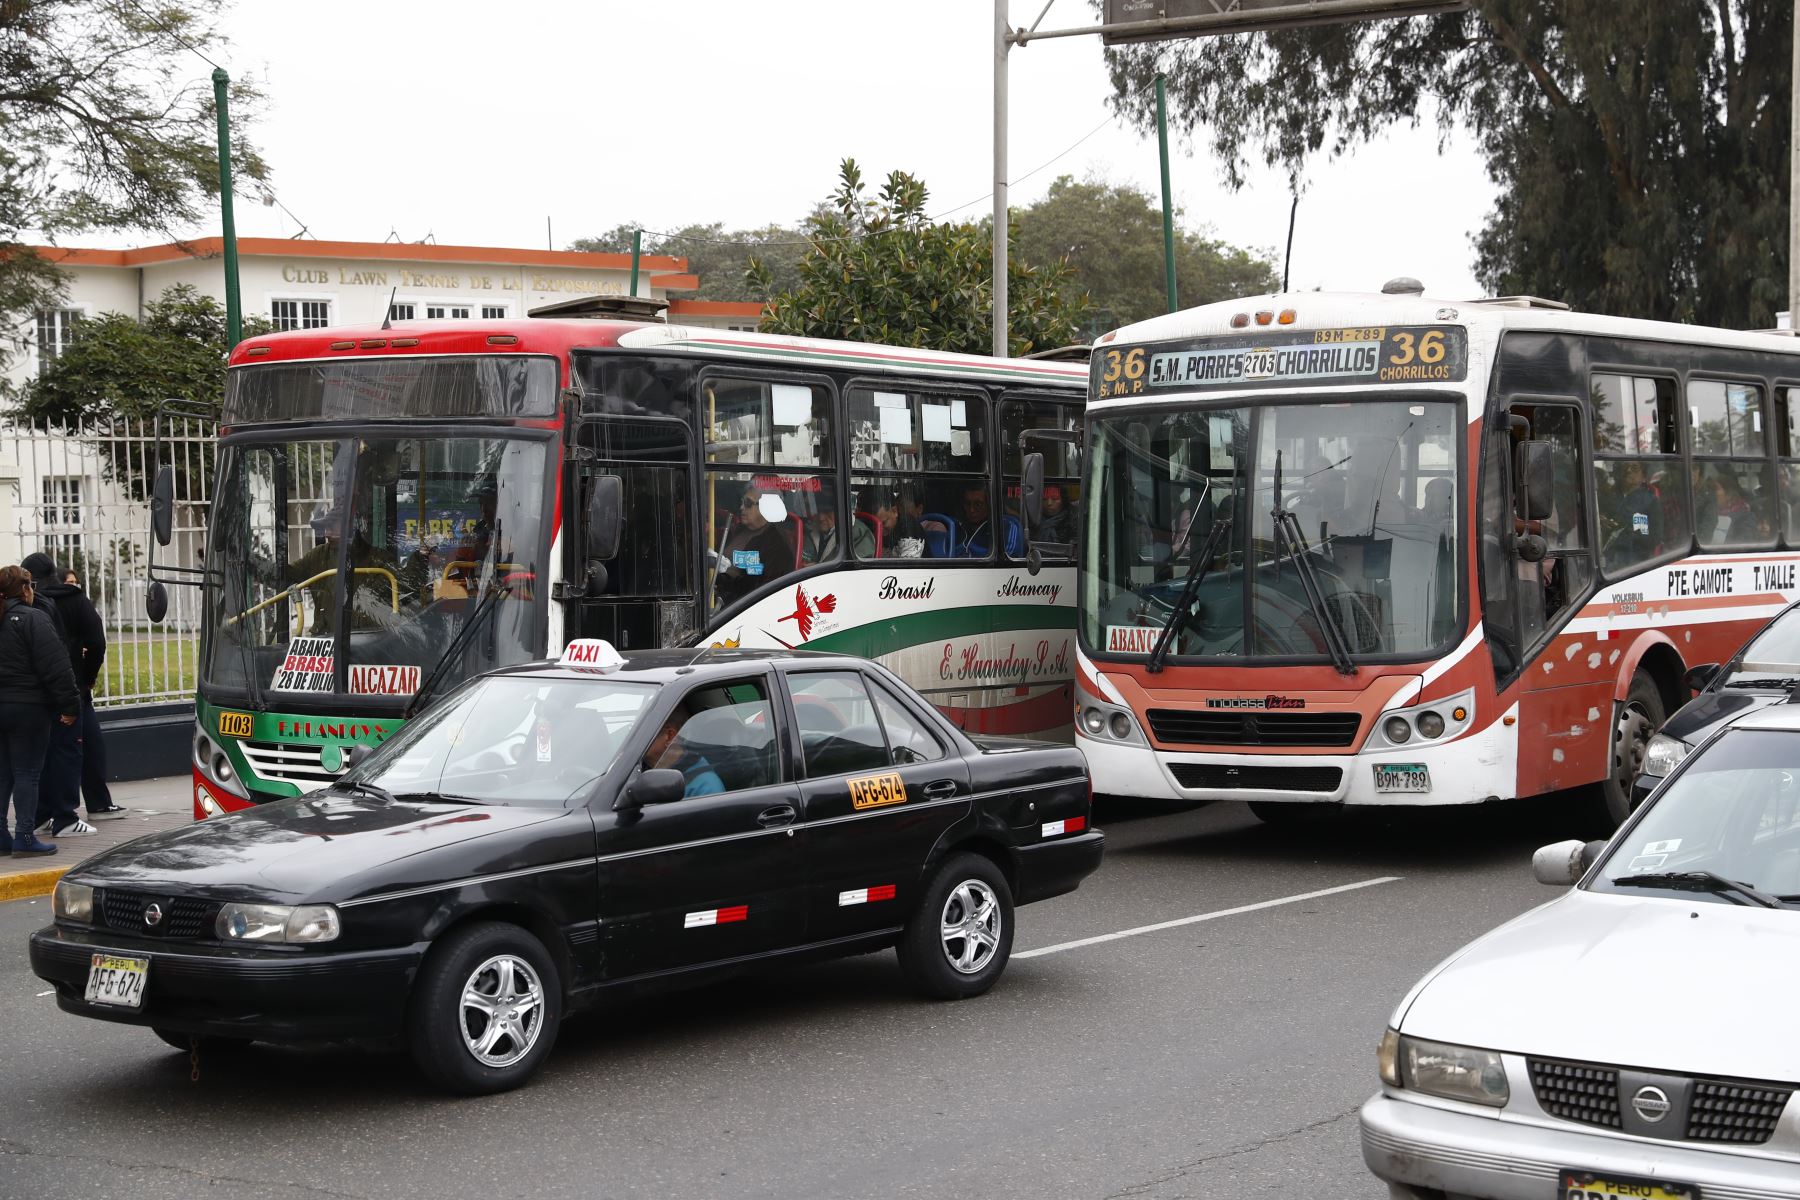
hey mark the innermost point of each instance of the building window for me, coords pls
(62, 516)
(55, 330)
(403, 311)
(454, 312)
(301, 314)
(493, 312)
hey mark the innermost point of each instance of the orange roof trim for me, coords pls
(213, 247)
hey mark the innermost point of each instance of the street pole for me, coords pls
(1001, 47)
(234, 309)
(637, 249)
(1162, 146)
(1794, 180)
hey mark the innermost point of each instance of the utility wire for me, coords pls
(158, 22)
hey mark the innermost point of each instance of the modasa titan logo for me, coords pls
(1261, 702)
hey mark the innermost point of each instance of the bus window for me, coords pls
(1640, 494)
(766, 423)
(1499, 581)
(921, 473)
(1734, 496)
(1787, 446)
(1550, 587)
(1062, 469)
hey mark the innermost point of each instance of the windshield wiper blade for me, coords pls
(1289, 541)
(1190, 588)
(1700, 881)
(1781, 683)
(367, 789)
(488, 604)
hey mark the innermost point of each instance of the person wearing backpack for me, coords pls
(37, 691)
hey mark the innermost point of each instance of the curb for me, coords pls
(22, 885)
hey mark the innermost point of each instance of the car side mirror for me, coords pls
(1031, 491)
(605, 517)
(1534, 478)
(1565, 863)
(1698, 678)
(657, 786)
(162, 505)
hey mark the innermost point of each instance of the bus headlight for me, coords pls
(1664, 754)
(1396, 730)
(1430, 725)
(1435, 721)
(211, 761)
(1105, 722)
(1094, 721)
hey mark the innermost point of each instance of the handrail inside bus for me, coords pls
(293, 589)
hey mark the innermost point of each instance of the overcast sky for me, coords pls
(475, 122)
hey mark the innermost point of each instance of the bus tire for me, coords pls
(1288, 814)
(1634, 722)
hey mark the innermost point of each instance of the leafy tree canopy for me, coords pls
(106, 122)
(877, 269)
(719, 256)
(1111, 236)
(118, 366)
(1639, 147)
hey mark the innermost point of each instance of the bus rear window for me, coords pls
(385, 388)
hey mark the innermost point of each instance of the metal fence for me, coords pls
(80, 495)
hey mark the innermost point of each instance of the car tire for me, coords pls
(184, 1042)
(1283, 814)
(946, 965)
(474, 977)
(1634, 723)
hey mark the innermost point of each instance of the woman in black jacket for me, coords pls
(37, 686)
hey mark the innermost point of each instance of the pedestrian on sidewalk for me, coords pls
(76, 766)
(37, 691)
(59, 791)
(94, 791)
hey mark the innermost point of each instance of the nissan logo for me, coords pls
(1650, 1103)
(153, 915)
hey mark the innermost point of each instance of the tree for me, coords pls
(719, 256)
(1111, 236)
(878, 270)
(106, 122)
(119, 366)
(1640, 147)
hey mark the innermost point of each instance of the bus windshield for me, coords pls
(359, 565)
(1372, 484)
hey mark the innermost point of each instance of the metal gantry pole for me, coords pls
(1001, 47)
(1162, 147)
(234, 309)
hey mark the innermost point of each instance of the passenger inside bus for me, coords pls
(902, 532)
(822, 543)
(756, 549)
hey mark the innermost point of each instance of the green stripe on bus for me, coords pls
(915, 629)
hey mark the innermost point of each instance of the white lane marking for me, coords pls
(1195, 920)
(51, 992)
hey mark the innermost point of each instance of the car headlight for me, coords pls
(1453, 1072)
(277, 923)
(73, 902)
(1664, 754)
(1387, 1058)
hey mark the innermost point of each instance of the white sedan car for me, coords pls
(1638, 1037)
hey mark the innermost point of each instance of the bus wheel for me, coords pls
(1639, 717)
(1287, 814)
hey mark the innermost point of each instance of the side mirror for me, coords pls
(1699, 677)
(156, 601)
(1031, 491)
(162, 505)
(657, 786)
(1565, 862)
(1534, 479)
(357, 754)
(605, 517)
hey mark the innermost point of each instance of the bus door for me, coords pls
(647, 597)
(1566, 708)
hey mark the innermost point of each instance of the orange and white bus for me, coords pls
(1387, 549)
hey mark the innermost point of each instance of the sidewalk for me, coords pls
(154, 803)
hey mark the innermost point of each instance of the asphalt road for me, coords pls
(1222, 1058)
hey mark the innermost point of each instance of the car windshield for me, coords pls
(512, 739)
(1772, 657)
(1371, 486)
(1733, 812)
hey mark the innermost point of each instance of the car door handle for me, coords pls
(943, 789)
(771, 818)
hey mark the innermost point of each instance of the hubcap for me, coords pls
(502, 1010)
(1632, 743)
(970, 926)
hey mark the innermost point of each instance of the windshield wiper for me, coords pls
(487, 605)
(367, 789)
(1290, 542)
(1189, 589)
(1780, 683)
(1700, 881)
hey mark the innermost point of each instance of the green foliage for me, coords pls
(878, 270)
(1640, 147)
(118, 366)
(1111, 236)
(106, 122)
(719, 256)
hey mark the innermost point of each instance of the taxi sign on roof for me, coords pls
(591, 654)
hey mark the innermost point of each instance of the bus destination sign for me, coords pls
(1375, 354)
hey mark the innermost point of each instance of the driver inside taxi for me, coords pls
(668, 751)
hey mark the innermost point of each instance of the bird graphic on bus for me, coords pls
(806, 609)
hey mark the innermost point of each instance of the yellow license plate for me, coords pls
(118, 980)
(1585, 1185)
(874, 791)
(235, 725)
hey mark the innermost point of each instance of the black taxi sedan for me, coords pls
(554, 834)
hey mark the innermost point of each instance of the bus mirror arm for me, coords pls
(1529, 547)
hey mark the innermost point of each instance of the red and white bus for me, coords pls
(1388, 549)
